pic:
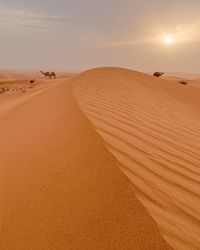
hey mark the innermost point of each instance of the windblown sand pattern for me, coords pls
(60, 188)
(151, 126)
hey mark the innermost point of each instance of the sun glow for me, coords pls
(168, 40)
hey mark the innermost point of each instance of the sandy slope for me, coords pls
(12, 75)
(190, 82)
(190, 76)
(152, 128)
(195, 83)
(59, 187)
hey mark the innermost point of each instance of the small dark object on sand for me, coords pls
(158, 74)
(184, 82)
(32, 81)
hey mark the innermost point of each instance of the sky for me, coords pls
(74, 35)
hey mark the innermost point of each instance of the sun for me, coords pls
(168, 40)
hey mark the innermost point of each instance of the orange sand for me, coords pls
(151, 126)
(59, 187)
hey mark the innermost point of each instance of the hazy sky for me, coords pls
(80, 34)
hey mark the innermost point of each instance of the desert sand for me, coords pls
(151, 126)
(192, 82)
(60, 188)
(11, 76)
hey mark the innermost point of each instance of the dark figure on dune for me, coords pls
(48, 74)
(158, 74)
(32, 81)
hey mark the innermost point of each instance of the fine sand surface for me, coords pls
(11, 75)
(190, 76)
(60, 188)
(189, 82)
(151, 126)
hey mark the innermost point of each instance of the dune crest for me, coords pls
(59, 187)
(151, 126)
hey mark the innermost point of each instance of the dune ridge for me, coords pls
(151, 126)
(59, 187)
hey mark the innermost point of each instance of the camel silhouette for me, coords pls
(158, 74)
(48, 74)
(32, 81)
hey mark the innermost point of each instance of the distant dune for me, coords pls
(151, 126)
(195, 83)
(12, 75)
(191, 76)
(192, 82)
(60, 188)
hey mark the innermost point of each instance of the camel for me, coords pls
(48, 74)
(32, 81)
(158, 74)
(52, 74)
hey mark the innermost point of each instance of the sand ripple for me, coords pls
(152, 128)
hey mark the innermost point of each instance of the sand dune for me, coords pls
(190, 76)
(195, 83)
(151, 126)
(12, 75)
(12, 89)
(190, 82)
(59, 187)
